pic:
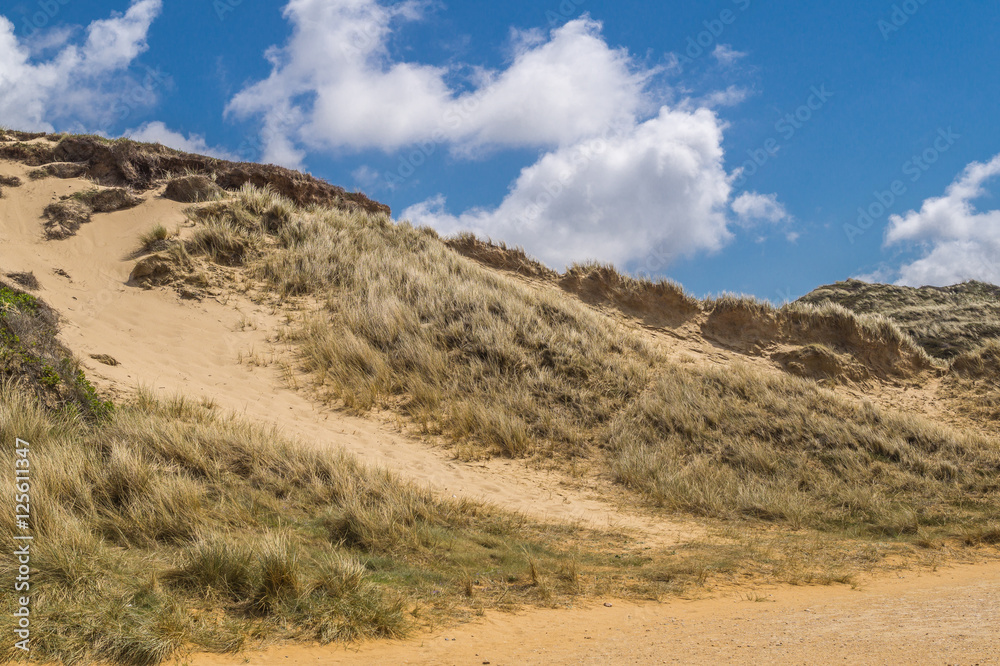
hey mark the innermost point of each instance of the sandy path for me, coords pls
(193, 348)
(948, 617)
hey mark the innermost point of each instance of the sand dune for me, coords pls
(223, 348)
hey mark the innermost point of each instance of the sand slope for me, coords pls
(222, 348)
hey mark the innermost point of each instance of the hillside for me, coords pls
(946, 321)
(428, 428)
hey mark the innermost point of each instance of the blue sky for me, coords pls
(734, 145)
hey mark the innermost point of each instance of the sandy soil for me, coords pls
(194, 348)
(948, 617)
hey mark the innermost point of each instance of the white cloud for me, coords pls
(731, 96)
(752, 208)
(620, 177)
(960, 242)
(365, 177)
(80, 85)
(158, 132)
(726, 55)
(657, 189)
(334, 85)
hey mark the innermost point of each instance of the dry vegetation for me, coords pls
(499, 367)
(8, 181)
(143, 166)
(735, 443)
(946, 321)
(63, 218)
(974, 385)
(166, 525)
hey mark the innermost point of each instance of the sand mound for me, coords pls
(839, 343)
(142, 167)
(946, 321)
(662, 303)
(817, 361)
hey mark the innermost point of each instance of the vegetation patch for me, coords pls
(873, 341)
(33, 358)
(143, 166)
(663, 303)
(64, 218)
(59, 170)
(973, 386)
(499, 255)
(26, 280)
(946, 321)
(192, 189)
(738, 443)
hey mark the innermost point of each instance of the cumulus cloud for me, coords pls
(620, 176)
(752, 208)
(334, 85)
(960, 242)
(657, 189)
(158, 132)
(80, 85)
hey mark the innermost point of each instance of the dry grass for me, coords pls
(873, 341)
(499, 255)
(169, 525)
(464, 352)
(980, 363)
(738, 443)
(154, 239)
(504, 368)
(661, 303)
(946, 321)
(26, 280)
(973, 386)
